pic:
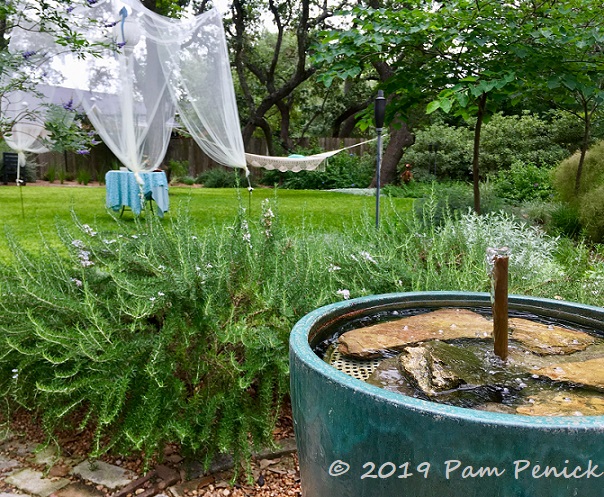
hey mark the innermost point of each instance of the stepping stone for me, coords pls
(7, 463)
(78, 489)
(101, 473)
(573, 403)
(33, 482)
(449, 324)
(18, 448)
(47, 456)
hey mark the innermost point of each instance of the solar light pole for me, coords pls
(380, 113)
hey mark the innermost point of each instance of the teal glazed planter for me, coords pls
(357, 440)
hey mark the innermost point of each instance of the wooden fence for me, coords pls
(101, 159)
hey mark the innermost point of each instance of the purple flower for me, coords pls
(68, 105)
(121, 44)
(92, 2)
(28, 54)
(110, 24)
(70, 9)
(82, 151)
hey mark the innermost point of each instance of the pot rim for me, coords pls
(318, 319)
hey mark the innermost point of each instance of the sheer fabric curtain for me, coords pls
(195, 61)
(124, 91)
(152, 67)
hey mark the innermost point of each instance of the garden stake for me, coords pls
(380, 113)
(21, 193)
(500, 305)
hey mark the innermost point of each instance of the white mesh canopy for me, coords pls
(131, 94)
(196, 63)
(124, 91)
(24, 112)
(154, 67)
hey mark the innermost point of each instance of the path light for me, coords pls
(380, 113)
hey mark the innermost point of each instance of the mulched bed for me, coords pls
(273, 475)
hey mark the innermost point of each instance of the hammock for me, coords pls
(296, 163)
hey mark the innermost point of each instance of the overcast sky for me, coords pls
(221, 5)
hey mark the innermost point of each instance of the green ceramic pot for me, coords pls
(356, 440)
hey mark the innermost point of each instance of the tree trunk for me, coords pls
(347, 128)
(400, 138)
(584, 147)
(346, 121)
(268, 136)
(284, 107)
(3, 40)
(482, 105)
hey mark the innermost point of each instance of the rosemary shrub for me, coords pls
(180, 334)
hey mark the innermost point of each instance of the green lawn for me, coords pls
(35, 209)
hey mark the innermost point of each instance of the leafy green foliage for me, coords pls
(526, 138)
(177, 169)
(67, 131)
(51, 174)
(159, 337)
(83, 177)
(524, 182)
(588, 202)
(413, 189)
(565, 221)
(451, 199)
(221, 178)
(187, 180)
(441, 151)
(593, 173)
(446, 151)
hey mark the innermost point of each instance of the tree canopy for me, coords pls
(471, 57)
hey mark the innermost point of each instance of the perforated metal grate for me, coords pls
(357, 368)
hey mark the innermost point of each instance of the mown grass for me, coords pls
(34, 210)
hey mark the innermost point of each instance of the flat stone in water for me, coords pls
(546, 339)
(446, 356)
(461, 374)
(388, 376)
(449, 324)
(567, 403)
(442, 324)
(589, 373)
